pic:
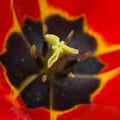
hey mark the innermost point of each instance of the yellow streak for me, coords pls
(54, 114)
(46, 10)
(102, 48)
(24, 84)
(14, 28)
(13, 90)
(104, 78)
(106, 49)
(14, 102)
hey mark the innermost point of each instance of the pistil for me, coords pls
(59, 49)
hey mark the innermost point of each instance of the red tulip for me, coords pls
(99, 21)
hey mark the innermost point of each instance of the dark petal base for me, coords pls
(36, 94)
(34, 33)
(18, 61)
(70, 92)
(88, 66)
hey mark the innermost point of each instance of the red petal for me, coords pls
(25, 8)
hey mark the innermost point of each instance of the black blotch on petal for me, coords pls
(34, 34)
(88, 66)
(66, 92)
(80, 40)
(36, 94)
(61, 27)
(17, 60)
(70, 92)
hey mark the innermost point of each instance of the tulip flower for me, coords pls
(59, 60)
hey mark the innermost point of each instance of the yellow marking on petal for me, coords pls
(103, 45)
(47, 9)
(24, 84)
(106, 49)
(14, 28)
(14, 90)
(54, 114)
(14, 102)
(104, 78)
(59, 48)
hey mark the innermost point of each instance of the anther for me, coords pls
(84, 57)
(69, 37)
(44, 29)
(44, 78)
(34, 52)
(70, 75)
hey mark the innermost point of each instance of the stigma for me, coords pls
(59, 48)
